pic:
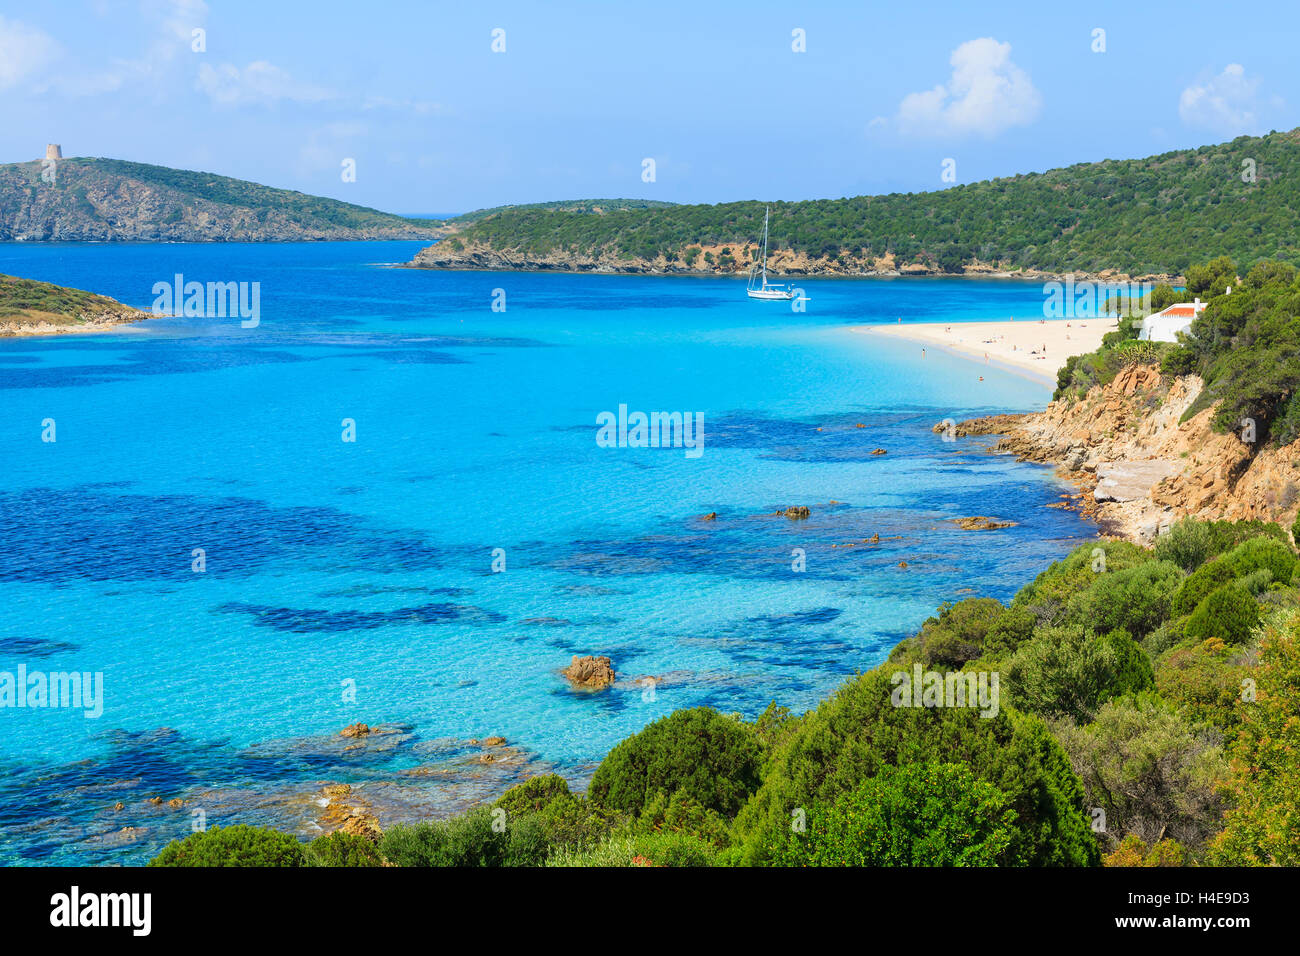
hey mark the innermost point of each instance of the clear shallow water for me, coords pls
(371, 561)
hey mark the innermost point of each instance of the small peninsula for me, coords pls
(29, 307)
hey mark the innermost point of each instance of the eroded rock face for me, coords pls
(590, 673)
(1131, 480)
(1140, 467)
(102, 200)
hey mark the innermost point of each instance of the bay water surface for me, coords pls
(353, 581)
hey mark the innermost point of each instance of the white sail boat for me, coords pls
(763, 290)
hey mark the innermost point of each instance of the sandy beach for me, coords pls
(1036, 348)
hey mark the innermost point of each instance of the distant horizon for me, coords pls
(593, 196)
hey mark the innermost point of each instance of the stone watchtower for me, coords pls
(53, 151)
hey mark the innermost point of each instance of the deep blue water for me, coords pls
(369, 563)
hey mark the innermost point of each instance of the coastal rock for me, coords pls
(1129, 480)
(590, 673)
(711, 516)
(879, 451)
(355, 730)
(982, 523)
(1140, 467)
(796, 512)
(493, 741)
(988, 425)
(346, 812)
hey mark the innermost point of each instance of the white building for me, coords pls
(1165, 325)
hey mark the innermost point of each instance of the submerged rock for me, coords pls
(796, 512)
(982, 523)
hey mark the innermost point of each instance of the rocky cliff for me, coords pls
(106, 200)
(1139, 467)
(734, 260)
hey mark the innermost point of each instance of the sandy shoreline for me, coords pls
(1036, 348)
(35, 330)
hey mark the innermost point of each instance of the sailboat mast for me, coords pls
(766, 210)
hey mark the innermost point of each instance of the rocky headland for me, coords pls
(28, 307)
(1139, 466)
(729, 259)
(107, 200)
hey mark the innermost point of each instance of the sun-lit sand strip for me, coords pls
(1034, 347)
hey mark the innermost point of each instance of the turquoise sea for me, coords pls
(353, 581)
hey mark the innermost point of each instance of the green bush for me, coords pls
(1229, 613)
(1263, 554)
(1067, 672)
(681, 814)
(566, 819)
(1209, 577)
(1188, 543)
(342, 849)
(1177, 361)
(1153, 774)
(238, 845)
(651, 849)
(1135, 599)
(1172, 632)
(1047, 597)
(928, 814)
(715, 760)
(1132, 669)
(857, 732)
(1205, 680)
(468, 840)
(1260, 825)
(533, 794)
(956, 636)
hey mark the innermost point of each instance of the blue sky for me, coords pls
(283, 92)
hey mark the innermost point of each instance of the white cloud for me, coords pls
(1227, 104)
(986, 94)
(259, 83)
(24, 50)
(168, 27)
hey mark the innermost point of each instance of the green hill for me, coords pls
(29, 306)
(596, 206)
(112, 199)
(1139, 216)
